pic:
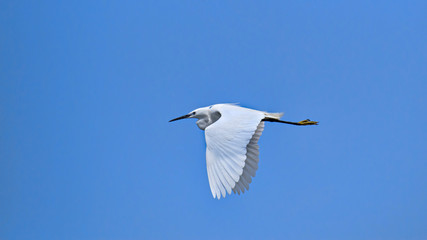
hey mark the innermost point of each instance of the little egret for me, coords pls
(232, 151)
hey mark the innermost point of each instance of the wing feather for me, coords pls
(226, 172)
(251, 162)
(222, 174)
(233, 171)
(220, 187)
(252, 154)
(247, 178)
(232, 149)
(211, 182)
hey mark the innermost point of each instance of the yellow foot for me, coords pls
(307, 122)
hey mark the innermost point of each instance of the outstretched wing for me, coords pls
(232, 149)
(251, 163)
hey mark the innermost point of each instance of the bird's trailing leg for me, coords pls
(300, 123)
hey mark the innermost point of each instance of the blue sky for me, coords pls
(87, 89)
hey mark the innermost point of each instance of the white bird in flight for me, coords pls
(232, 151)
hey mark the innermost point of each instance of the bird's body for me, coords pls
(232, 151)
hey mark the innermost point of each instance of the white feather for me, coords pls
(232, 148)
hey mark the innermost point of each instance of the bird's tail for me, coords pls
(274, 115)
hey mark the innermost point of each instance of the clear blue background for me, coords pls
(87, 89)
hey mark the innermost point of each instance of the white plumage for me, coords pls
(232, 152)
(232, 148)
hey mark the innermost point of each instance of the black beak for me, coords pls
(179, 118)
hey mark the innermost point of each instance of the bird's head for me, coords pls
(196, 113)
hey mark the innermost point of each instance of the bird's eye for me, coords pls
(193, 113)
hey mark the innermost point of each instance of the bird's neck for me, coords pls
(203, 123)
(208, 119)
